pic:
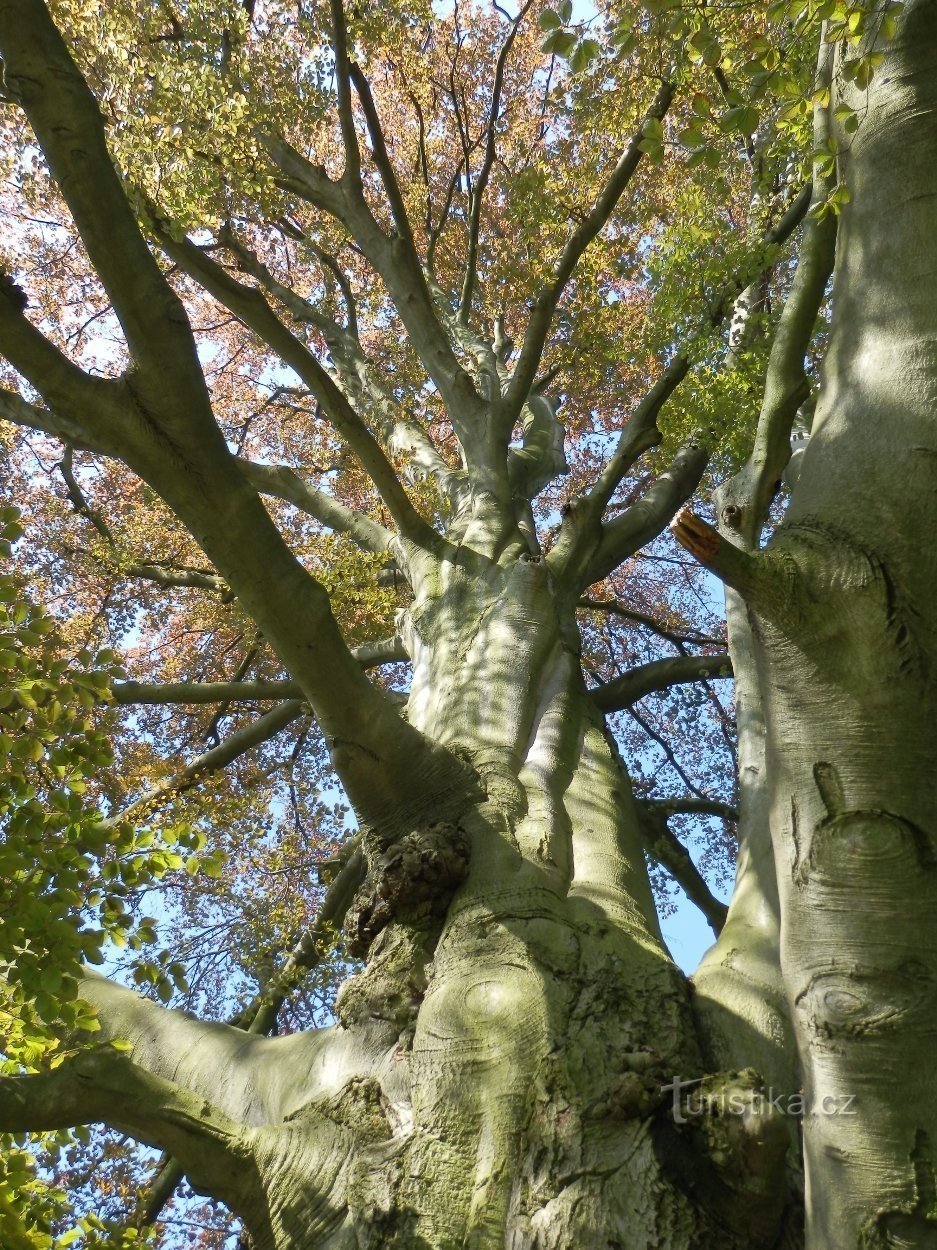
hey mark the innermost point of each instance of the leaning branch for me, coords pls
(41, 75)
(664, 846)
(282, 482)
(238, 744)
(649, 516)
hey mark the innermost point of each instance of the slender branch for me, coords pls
(641, 618)
(546, 302)
(172, 578)
(196, 693)
(642, 422)
(18, 411)
(346, 116)
(747, 497)
(666, 748)
(354, 372)
(656, 676)
(396, 262)
(385, 166)
(284, 483)
(368, 655)
(250, 306)
(312, 948)
(687, 806)
(239, 743)
(664, 846)
(481, 182)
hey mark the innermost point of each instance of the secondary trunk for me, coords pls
(848, 633)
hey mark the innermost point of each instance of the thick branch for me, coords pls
(644, 520)
(260, 1017)
(103, 1085)
(541, 457)
(68, 125)
(658, 675)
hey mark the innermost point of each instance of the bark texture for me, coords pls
(846, 613)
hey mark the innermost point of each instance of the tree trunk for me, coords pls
(847, 610)
(503, 1069)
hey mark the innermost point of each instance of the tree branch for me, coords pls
(195, 693)
(664, 846)
(642, 425)
(284, 483)
(260, 1017)
(747, 497)
(172, 578)
(18, 411)
(249, 306)
(69, 127)
(656, 676)
(481, 182)
(396, 262)
(239, 743)
(546, 302)
(641, 618)
(644, 520)
(354, 371)
(346, 116)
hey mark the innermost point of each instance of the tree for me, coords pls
(406, 232)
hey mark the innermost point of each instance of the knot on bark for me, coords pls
(640, 1089)
(412, 880)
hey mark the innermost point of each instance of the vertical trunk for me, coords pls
(520, 1033)
(849, 644)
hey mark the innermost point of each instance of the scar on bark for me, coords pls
(913, 1223)
(737, 568)
(696, 536)
(830, 785)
